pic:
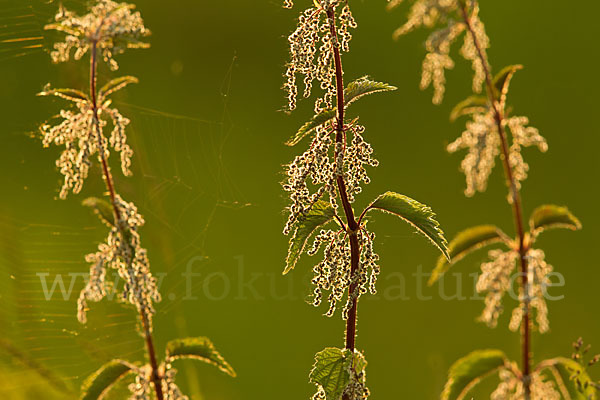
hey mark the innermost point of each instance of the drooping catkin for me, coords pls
(311, 52)
(123, 253)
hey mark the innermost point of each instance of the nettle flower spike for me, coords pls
(448, 15)
(333, 274)
(142, 389)
(311, 51)
(80, 135)
(512, 387)
(496, 279)
(500, 273)
(483, 141)
(122, 251)
(110, 26)
(314, 173)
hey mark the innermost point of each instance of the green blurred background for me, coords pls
(208, 141)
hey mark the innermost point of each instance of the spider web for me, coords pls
(180, 185)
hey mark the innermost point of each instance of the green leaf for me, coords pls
(464, 243)
(469, 370)
(502, 79)
(572, 379)
(198, 348)
(67, 94)
(550, 216)
(362, 87)
(309, 127)
(97, 385)
(470, 105)
(418, 215)
(332, 371)
(115, 85)
(102, 208)
(320, 214)
(354, 91)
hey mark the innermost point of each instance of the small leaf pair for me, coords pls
(97, 385)
(469, 371)
(420, 216)
(75, 95)
(478, 103)
(354, 91)
(543, 218)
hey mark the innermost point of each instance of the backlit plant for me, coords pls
(107, 30)
(491, 132)
(323, 183)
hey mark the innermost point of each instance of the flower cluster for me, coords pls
(320, 166)
(438, 59)
(122, 252)
(483, 144)
(314, 166)
(512, 388)
(311, 51)
(448, 14)
(470, 51)
(141, 388)
(356, 157)
(333, 273)
(111, 27)
(523, 136)
(82, 137)
(537, 277)
(170, 388)
(357, 387)
(482, 140)
(496, 279)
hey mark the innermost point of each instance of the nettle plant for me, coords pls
(493, 131)
(323, 183)
(107, 30)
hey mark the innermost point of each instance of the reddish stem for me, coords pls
(352, 225)
(112, 193)
(516, 205)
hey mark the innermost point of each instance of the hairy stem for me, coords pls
(515, 202)
(108, 179)
(352, 225)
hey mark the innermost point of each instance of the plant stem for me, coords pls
(352, 225)
(515, 201)
(108, 179)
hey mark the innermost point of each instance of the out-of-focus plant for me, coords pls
(108, 29)
(492, 132)
(323, 182)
